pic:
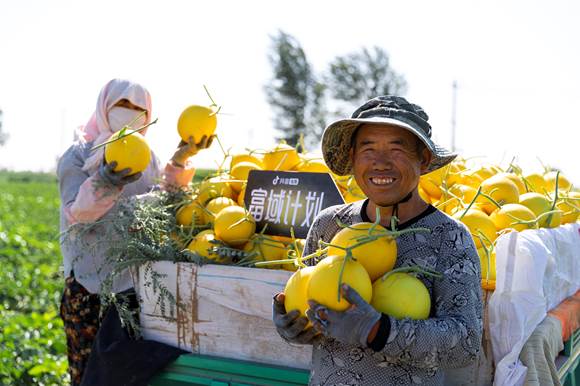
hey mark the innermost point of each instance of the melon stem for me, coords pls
(471, 203)
(124, 135)
(487, 250)
(221, 147)
(549, 219)
(414, 269)
(209, 95)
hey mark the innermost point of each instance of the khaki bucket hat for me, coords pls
(390, 110)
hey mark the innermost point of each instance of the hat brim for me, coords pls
(337, 139)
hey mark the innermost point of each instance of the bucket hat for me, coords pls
(390, 110)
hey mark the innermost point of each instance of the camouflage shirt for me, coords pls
(416, 351)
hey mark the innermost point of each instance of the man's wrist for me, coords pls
(373, 332)
(382, 334)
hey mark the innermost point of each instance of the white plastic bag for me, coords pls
(536, 270)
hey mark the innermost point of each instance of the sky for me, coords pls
(516, 64)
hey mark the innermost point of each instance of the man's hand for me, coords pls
(291, 326)
(185, 150)
(120, 178)
(352, 326)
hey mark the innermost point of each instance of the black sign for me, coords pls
(285, 200)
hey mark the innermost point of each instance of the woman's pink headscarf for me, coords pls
(97, 129)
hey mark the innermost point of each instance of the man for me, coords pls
(387, 146)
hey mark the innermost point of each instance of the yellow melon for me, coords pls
(131, 151)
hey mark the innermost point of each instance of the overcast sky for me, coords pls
(517, 64)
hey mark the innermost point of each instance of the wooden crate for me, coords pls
(226, 311)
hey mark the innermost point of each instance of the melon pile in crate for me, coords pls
(486, 198)
(491, 201)
(215, 224)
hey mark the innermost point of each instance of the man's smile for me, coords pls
(382, 180)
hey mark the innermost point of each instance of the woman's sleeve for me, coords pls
(175, 177)
(84, 198)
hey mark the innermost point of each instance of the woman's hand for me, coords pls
(185, 150)
(120, 178)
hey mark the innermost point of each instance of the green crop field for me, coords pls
(31, 333)
(32, 341)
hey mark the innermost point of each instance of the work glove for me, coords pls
(120, 178)
(291, 326)
(185, 150)
(351, 326)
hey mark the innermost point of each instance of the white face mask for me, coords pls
(121, 116)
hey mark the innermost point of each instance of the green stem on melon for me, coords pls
(295, 249)
(487, 250)
(569, 200)
(215, 112)
(520, 221)
(493, 201)
(510, 164)
(365, 239)
(256, 151)
(246, 218)
(343, 225)
(274, 262)
(346, 257)
(264, 229)
(549, 219)
(141, 114)
(377, 220)
(386, 233)
(454, 196)
(528, 184)
(546, 168)
(221, 147)
(124, 135)
(271, 243)
(325, 245)
(396, 234)
(481, 234)
(209, 95)
(471, 203)
(414, 269)
(316, 254)
(549, 214)
(444, 203)
(444, 181)
(394, 222)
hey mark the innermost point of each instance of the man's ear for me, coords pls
(426, 157)
(351, 155)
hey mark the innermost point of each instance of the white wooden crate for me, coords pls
(227, 312)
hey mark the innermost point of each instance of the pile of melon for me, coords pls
(488, 199)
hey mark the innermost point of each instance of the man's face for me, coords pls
(386, 162)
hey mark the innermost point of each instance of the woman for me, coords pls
(89, 191)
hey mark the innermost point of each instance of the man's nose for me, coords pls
(383, 161)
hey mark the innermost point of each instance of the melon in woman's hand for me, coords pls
(196, 121)
(131, 151)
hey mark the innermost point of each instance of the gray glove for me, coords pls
(291, 326)
(190, 148)
(119, 178)
(351, 326)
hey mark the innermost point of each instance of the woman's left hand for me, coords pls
(185, 150)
